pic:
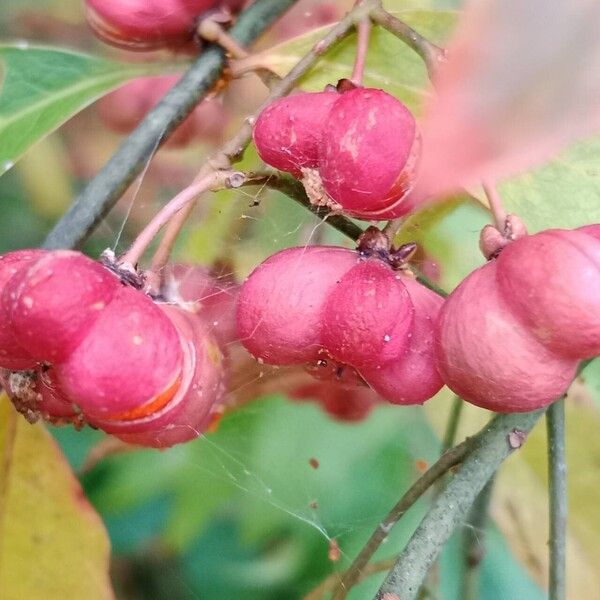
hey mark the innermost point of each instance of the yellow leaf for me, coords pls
(53, 545)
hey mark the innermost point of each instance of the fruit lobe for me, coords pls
(412, 378)
(52, 303)
(367, 316)
(281, 303)
(12, 355)
(366, 152)
(287, 134)
(189, 411)
(551, 282)
(130, 357)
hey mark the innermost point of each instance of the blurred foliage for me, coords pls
(241, 513)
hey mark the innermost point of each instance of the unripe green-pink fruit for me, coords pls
(551, 282)
(53, 302)
(280, 307)
(189, 410)
(412, 378)
(12, 355)
(145, 24)
(130, 359)
(368, 315)
(368, 153)
(287, 134)
(489, 357)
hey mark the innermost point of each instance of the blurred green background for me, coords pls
(241, 512)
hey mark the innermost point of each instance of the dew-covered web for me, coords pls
(242, 454)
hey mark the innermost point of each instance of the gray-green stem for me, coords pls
(102, 192)
(557, 482)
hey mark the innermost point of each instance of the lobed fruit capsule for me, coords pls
(487, 356)
(102, 353)
(145, 24)
(350, 319)
(123, 110)
(287, 134)
(368, 153)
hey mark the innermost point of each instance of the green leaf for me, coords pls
(562, 193)
(42, 88)
(52, 544)
(391, 65)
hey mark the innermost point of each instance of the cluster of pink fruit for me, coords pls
(77, 345)
(509, 338)
(356, 149)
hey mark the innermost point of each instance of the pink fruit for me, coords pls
(288, 132)
(189, 410)
(488, 356)
(145, 24)
(368, 153)
(53, 404)
(342, 403)
(12, 355)
(412, 378)
(214, 299)
(551, 282)
(123, 110)
(281, 303)
(368, 315)
(52, 303)
(129, 361)
(593, 230)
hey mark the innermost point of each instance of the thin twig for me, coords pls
(557, 480)
(443, 465)
(102, 192)
(362, 48)
(431, 54)
(452, 425)
(215, 181)
(490, 448)
(232, 151)
(474, 543)
(329, 584)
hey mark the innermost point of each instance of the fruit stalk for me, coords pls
(557, 483)
(431, 54)
(102, 192)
